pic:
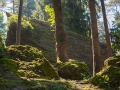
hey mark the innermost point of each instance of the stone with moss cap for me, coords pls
(32, 62)
(109, 76)
(73, 70)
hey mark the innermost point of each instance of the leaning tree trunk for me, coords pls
(97, 63)
(109, 50)
(18, 31)
(60, 36)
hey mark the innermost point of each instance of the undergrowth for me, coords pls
(109, 77)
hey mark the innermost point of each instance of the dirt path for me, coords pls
(84, 85)
(80, 84)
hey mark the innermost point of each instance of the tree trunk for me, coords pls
(97, 63)
(13, 6)
(109, 50)
(18, 31)
(60, 36)
(0, 39)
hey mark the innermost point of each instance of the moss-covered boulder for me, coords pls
(42, 37)
(109, 76)
(23, 52)
(73, 70)
(32, 62)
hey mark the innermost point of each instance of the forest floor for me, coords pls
(80, 84)
(84, 85)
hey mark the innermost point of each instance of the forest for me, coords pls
(59, 44)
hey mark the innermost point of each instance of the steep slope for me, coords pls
(42, 37)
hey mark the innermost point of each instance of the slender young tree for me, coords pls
(13, 6)
(18, 30)
(2, 27)
(0, 39)
(97, 63)
(106, 30)
(60, 36)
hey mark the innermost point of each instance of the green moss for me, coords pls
(51, 85)
(112, 61)
(48, 70)
(40, 87)
(60, 39)
(32, 62)
(99, 81)
(27, 74)
(73, 70)
(109, 76)
(8, 64)
(12, 20)
(8, 84)
(23, 52)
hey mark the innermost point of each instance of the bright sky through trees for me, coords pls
(110, 16)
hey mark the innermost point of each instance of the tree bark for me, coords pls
(97, 63)
(18, 30)
(109, 50)
(13, 6)
(0, 39)
(60, 36)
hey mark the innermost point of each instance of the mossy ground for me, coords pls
(35, 84)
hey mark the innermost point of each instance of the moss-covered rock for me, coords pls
(42, 37)
(8, 64)
(24, 53)
(109, 76)
(73, 70)
(32, 62)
